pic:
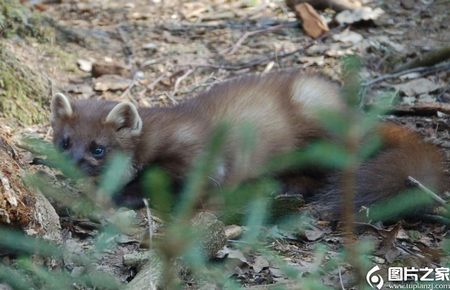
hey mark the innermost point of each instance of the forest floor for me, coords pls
(162, 52)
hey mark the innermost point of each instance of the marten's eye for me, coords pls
(65, 143)
(98, 151)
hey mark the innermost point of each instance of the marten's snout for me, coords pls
(81, 157)
(77, 155)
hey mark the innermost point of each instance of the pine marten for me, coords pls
(281, 108)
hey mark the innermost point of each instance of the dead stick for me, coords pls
(340, 279)
(436, 197)
(177, 83)
(272, 57)
(422, 70)
(155, 82)
(130, 86)
(246, 35)
(127, 48)
(150, 222)
(427, 59)
(424, 109)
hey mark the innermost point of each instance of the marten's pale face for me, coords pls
(90, 132)
(88, 149)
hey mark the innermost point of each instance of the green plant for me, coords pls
(250, 204)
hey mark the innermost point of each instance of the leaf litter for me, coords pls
(164, 41)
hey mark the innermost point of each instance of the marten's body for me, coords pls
(281, 112)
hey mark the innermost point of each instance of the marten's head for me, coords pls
(91, 131)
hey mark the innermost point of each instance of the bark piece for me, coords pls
(337, 5)
(20, 206)
(16, 201)
(99, 69)
(47, 219)
(149, 277)
(313, 24)
(424, 109)
(111, 83)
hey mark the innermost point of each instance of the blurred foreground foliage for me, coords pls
(181, 242)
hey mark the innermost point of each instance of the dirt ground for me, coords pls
(158, 53)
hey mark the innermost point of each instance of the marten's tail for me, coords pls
(383, 178)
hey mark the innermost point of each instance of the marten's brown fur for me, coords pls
(281, 110)
(402, 154)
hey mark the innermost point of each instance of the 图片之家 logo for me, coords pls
(407, 275)
(374, 280)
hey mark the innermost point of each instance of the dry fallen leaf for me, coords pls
(314, 234)
(388, 247)
(260, 263)
(381, 41)
(357, 15)
(237, 255)
(313, 24)
(336, 50)
(408, 101)
(83, 89)
(151, 46)
(348, 36)
(84, 65)
(312, 60)
(337, 5)
(426, 98)
(111, 83)
(408, 4)
(417, 87)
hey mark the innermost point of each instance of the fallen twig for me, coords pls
(155, 82)
(184, 26)
(132, 84)
(427, 59)
(255, 62)
(127, 48)
(436, 197)
(178, 81)
(150, 222)
(421, 70)
(437, 219)
(424, 109)
(340, 279)
(151, 86)
(272, 57)
(247, 34)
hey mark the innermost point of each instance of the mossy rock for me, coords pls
(23, 92)
(16, 19)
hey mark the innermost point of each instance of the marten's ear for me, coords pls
(60, 107)
(125, 117)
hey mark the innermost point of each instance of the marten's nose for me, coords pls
(77, 155)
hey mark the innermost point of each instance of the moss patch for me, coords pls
(16, 19)
(58, 57)
(23, 92)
